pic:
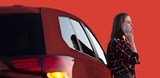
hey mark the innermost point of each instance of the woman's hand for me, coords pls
(128, 32)
(129, 35)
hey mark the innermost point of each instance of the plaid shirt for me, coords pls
(120, 57)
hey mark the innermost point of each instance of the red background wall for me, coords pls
(99, 14)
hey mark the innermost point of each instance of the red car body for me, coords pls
(35, 44)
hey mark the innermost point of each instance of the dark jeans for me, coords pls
(126, 75)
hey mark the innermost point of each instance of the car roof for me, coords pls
(27, 9)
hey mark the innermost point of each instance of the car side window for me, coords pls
(74, 35)
(82, 38)
(68, 33)
(96, 45)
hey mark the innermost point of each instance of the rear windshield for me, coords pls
(21, 34)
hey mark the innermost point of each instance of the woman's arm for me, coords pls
(132, 44)
(124, 48)
(130, 38)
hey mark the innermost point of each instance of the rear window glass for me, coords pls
(21, 34)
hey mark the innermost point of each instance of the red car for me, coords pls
(48, 43)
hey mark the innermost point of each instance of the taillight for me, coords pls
(28, 64)
(52, 66)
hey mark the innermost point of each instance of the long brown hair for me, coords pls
(117, 31)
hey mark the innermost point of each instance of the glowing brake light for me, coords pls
(48, 66)
(29, 64)
(56, 75)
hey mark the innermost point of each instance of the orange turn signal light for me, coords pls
(56, 75)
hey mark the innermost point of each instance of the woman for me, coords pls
(122, 54)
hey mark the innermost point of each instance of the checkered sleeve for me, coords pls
(123, 49)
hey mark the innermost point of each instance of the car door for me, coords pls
(101, 71)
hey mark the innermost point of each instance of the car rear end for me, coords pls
(22, 47)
